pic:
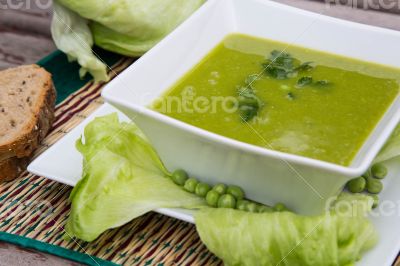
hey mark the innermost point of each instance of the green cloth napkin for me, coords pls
(66, 75)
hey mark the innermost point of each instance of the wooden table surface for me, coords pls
(25, 38)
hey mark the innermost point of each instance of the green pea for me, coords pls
(179, 177)
(379, 171)
(252, 207)
(190, 185)
(374, 186)
(280, 207)
(356, 185)
(264, 208)
(376, 201)
(202, 189)
(220, 188)
(241, 204)
(212, 198)
(235, 191)
(227, 201)
(366, 175)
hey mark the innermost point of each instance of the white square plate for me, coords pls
(63, 163)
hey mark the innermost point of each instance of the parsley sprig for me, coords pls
(278, 65)
(249, 103)
(281, 65)
(308, 81)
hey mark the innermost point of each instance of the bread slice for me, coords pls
(11, 168)
(27, 99)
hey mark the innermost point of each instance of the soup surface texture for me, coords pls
(283, 97)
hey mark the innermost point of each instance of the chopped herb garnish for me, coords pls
(246, 92)
(306, 66)
(322, 83)
(277, 73)
(248, 102)
(280, 65)
(247, 112)
(290, 96)
(251, 78)
(308, 81)
(304, 81)
(282, 59)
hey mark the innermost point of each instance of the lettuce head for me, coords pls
(126, 27)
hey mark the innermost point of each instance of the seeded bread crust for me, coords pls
(11, 168)
(27, 100)
(34, 130)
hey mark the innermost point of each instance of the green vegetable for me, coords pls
(280, 207)
(290, 96)
(306, 66)
(72, 35)
(308, 81)
(304, 81)
(179, 177)
(374, 186)
(226, 201)
(190, 185)
(123, 178)
(242, 204)
(284, 238)
(379, 171)
(220, 188)
(247, 112)
(263, 208)
(281, 65)
(356, 185)
(235, 191)
(202, 189)
(212, 198)
(251, 79)
(321, 83)
(366, 175)
(126, 27)
(251, 207)
(249, 103)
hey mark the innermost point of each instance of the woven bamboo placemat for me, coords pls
(36, 208)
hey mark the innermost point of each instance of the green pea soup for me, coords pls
(284, 97)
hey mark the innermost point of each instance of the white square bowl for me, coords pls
(303, 184)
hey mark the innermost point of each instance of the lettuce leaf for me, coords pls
(121, 43)
(72, 35)
(283, 238)
(123, 178)
(125, 27)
